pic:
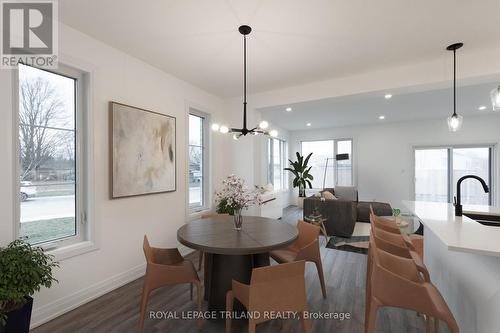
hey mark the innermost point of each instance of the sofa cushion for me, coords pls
(379, 208)
(346, 193)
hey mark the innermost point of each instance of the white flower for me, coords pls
(236, 195)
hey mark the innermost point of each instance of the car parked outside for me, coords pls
(27, 190)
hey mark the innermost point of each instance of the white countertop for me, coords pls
(459, 233)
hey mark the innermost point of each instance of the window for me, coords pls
(326, 170)
(276, 162)
(343, 170)
(431, 175)
(197, 161)
(52, 198)
(437, 171)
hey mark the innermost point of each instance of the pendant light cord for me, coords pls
(244, 82)
(454, 82)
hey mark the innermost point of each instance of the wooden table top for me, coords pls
(217, 235)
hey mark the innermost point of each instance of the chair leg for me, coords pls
(200, 260)
(427, 321)
(229, 310)
(319, 267)
(198, 293)
(144, 303)
(452, 325)
(306, 323)
(372, 316)
(251, 325)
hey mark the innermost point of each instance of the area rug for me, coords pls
(357, 244)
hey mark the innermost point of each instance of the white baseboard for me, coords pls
(65, 304)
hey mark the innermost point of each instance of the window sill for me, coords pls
(73, 250)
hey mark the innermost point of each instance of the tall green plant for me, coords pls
(23, 270)
(301, 171)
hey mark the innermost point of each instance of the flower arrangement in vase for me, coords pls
(235, 197)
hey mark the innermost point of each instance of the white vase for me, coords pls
(300, 202)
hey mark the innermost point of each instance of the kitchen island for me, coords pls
(463, 258)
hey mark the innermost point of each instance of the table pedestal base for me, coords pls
(221, 269)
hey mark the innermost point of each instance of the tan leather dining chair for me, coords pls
(416, 242)
(278, 289)
(201, 254)
(396, 282)
(166, 267)
(306, 247)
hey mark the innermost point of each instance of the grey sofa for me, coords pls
(343, 213)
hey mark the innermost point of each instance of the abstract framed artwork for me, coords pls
(143, 151)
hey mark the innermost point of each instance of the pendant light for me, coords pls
(495, 98)
(262, 128)
(455, 120)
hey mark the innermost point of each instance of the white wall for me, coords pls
(383, 154)
(121, 223)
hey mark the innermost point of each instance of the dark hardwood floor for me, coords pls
(118, 311)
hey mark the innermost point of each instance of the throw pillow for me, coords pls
(328, 195)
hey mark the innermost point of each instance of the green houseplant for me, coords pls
(300, 170)
(223, 207)
(23, 270)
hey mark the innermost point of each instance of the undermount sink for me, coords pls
(489, 220)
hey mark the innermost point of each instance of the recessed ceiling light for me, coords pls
(387, 96)
(482, 107)
(381, 117)
(288, 109)
(308, 124)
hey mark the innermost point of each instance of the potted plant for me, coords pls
(234, 197)
(23, 270)
(302, 178)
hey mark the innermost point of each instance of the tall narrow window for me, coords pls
(197, 161)
(51, 198)
(344, 167)
(325, 169)
(276, 161)
(437, 171)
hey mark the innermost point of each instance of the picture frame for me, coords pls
(143, 151)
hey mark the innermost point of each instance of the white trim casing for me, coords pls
(86, 239)
(195, 212)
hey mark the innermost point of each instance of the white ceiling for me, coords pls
(364, 109)
(293, 42)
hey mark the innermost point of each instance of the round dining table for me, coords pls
(232, 254)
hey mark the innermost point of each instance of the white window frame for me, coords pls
(85, 239)
(335, 175)
(206, 198)
(492, 176)
(284, 163)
